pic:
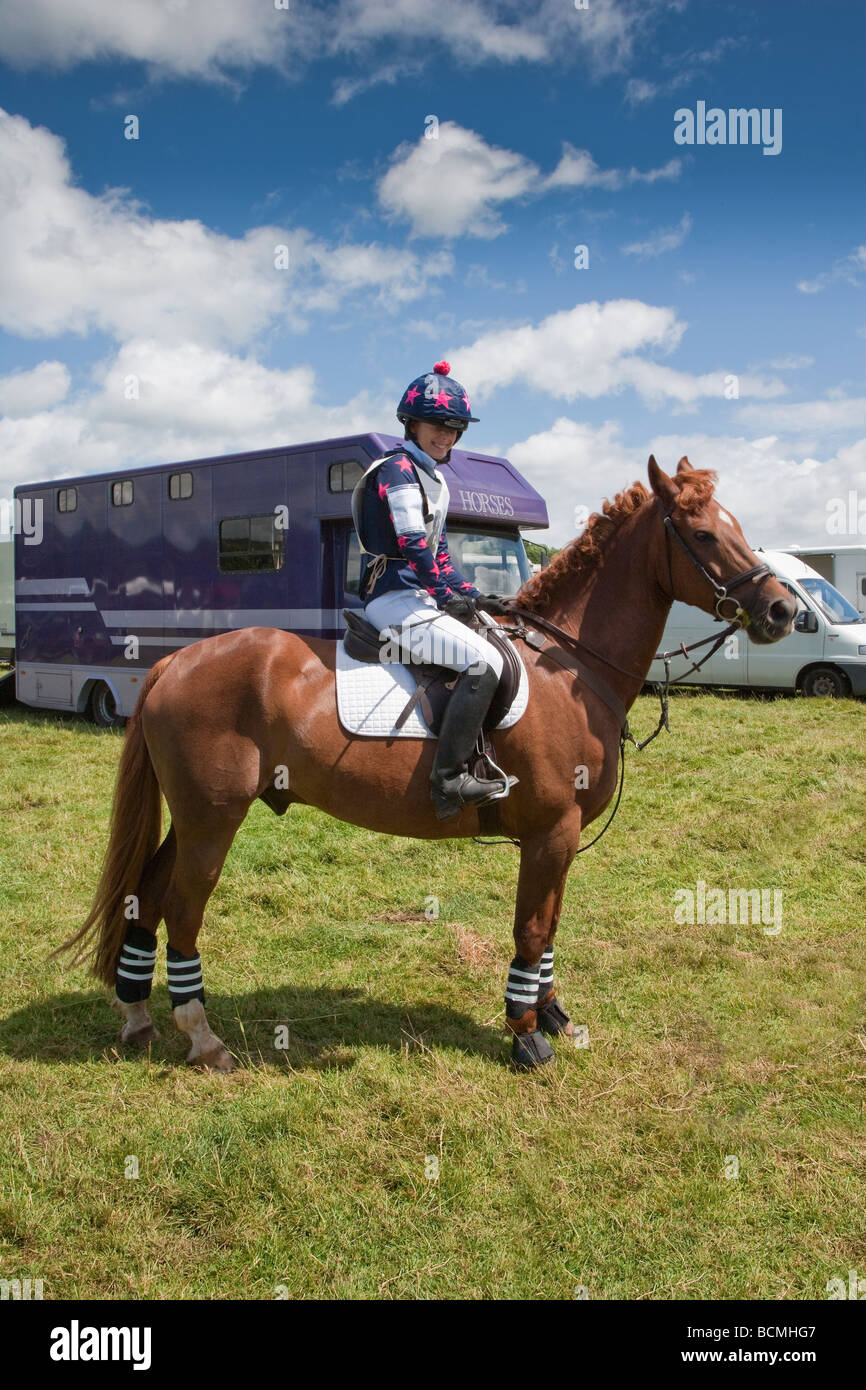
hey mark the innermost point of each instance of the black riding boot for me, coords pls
(452, 786)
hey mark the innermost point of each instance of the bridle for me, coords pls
(758, 574)
(565, 651)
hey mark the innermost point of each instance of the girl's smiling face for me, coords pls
(434, 439)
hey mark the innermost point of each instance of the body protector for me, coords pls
(435, 495)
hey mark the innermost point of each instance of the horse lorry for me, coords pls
(115, 570)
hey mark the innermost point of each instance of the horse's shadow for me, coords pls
(299, 1028)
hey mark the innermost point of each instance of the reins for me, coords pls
(566, 654)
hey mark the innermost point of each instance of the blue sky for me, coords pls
(153, 258)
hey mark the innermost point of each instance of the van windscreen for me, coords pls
(833, 605)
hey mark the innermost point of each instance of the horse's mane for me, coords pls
(582, 555)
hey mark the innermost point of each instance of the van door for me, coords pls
(775, 666)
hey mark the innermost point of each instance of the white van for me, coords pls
(825, 654)
(845, 567)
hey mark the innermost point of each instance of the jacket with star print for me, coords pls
(392, 515)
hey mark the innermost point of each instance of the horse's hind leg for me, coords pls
(201, 853)
(134, 977)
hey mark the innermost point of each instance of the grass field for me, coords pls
(308, 1171)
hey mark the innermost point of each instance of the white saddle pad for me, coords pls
(372, 695)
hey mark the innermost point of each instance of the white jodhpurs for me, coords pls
(428, 635)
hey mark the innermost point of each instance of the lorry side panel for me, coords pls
(129, 575)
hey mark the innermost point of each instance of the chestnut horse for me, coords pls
(217, 723)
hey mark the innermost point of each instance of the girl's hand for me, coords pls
(461, 607)
(496, 604)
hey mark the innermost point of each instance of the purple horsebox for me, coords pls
(115, 570)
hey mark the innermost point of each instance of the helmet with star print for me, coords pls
(437, 398)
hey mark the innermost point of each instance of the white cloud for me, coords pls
(591, 351)
(216, 39)
(638, 90)
(827, 416)
(451, 186)
(181, 37)
(848, 268)
(578, 169)
(665, 239)
(778, 498)
(24, 393)
(454, 184)
(471, 29)
(685, 68)
(193, 401)
(790, 362)
(77, 263)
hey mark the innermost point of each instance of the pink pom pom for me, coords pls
(442, 369)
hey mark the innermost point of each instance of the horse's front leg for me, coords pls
(552, 1017)
(531, 1008)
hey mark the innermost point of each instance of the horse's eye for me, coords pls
(704, 536)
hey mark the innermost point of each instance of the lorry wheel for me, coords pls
(824, 681)
(102, 708)
(7, 687)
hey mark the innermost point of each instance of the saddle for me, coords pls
(435, 683)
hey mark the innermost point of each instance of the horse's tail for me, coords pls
(136, 824)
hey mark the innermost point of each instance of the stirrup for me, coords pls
(450, 801)
(496, 775)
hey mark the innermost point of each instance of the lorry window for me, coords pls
(343, 476)
(833, 605)
(494, 563)
(122, 494)
(67, 499)
(352, 577)
(251, 543)
(179, 486)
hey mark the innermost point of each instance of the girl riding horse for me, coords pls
(411, 586)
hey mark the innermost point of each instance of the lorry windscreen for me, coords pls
(833, 605)
(495, 563)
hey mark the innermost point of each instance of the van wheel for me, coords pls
(102, 708)
(824, 681)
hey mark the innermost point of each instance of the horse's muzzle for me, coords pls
(772, 619)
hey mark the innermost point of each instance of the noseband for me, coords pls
(758, 574)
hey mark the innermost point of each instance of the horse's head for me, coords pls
(705, 560)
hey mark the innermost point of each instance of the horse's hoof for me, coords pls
(530, 1050)
(217, 1059)
(139, 1037)
(553, 1019)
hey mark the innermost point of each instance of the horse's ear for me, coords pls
(684, 466)
(661, 484)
